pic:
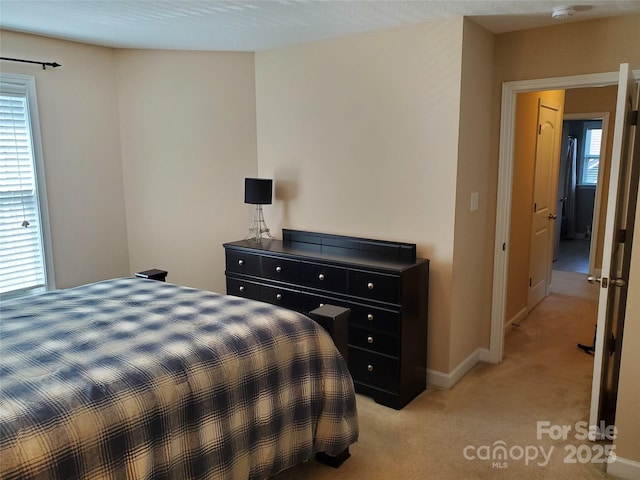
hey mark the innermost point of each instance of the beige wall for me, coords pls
(361, 134)
(78, 109)
(145, 157)
(473, 242)
(524, 156)
(187, 122)
(568, 49)
(596, 100)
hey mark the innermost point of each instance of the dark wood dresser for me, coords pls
(383, 284)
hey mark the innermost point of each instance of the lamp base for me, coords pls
(258, 228)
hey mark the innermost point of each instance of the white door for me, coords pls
(545, 189)
(621, 204)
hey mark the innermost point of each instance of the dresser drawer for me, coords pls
(283, 297)
(240, 288)
(374, 369)
(375, 318)
(281, 269)
(311, 301)
(241, 262)
(375, 341)
(324, 277)
(376, 286)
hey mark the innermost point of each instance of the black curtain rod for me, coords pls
(44, 64)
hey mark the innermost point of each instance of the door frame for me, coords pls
(510, 91)
(595, 223)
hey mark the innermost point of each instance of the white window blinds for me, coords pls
(591, 160)
(22, 259)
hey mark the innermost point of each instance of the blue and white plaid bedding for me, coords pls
(139, 379)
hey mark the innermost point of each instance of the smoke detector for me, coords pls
(560, 13)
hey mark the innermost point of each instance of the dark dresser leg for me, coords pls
(334, 462)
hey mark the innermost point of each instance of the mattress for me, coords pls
(139, 379)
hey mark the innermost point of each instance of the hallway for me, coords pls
(573, 256)
(573, 284)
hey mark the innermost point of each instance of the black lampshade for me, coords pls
(258, 190)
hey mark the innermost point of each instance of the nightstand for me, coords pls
(153, 274)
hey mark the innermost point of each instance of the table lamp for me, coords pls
(258, 191)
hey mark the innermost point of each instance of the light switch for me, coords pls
(474, 201)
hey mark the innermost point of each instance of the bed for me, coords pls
(139, 379)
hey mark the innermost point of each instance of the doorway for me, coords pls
(583, 159)
(510, 91)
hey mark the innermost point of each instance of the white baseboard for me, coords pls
(448, 380)
(623, 468)
(517, 318)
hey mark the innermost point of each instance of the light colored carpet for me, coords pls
(574, 284)
(544, 377)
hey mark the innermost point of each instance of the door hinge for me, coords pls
(504, 246)
(633, 117)
(530, 281)
(612, 345)
(604, 282)
(539, 129)
(535, 207)
(621, 235)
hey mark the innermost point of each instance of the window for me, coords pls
(25, 253)
(591, 149)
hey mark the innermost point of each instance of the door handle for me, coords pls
(617, 282)
(552, 216)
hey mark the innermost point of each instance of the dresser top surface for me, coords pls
(328, 253)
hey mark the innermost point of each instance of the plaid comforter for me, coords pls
(139, 379)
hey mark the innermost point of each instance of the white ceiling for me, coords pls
(253, 25)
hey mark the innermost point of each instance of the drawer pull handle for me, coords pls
(321, 276)
(279, 296)
(369, 339)
(240, 262)
(370, 368)
(370, 286)
(370, 317)
(278, 269)
(241, 288)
